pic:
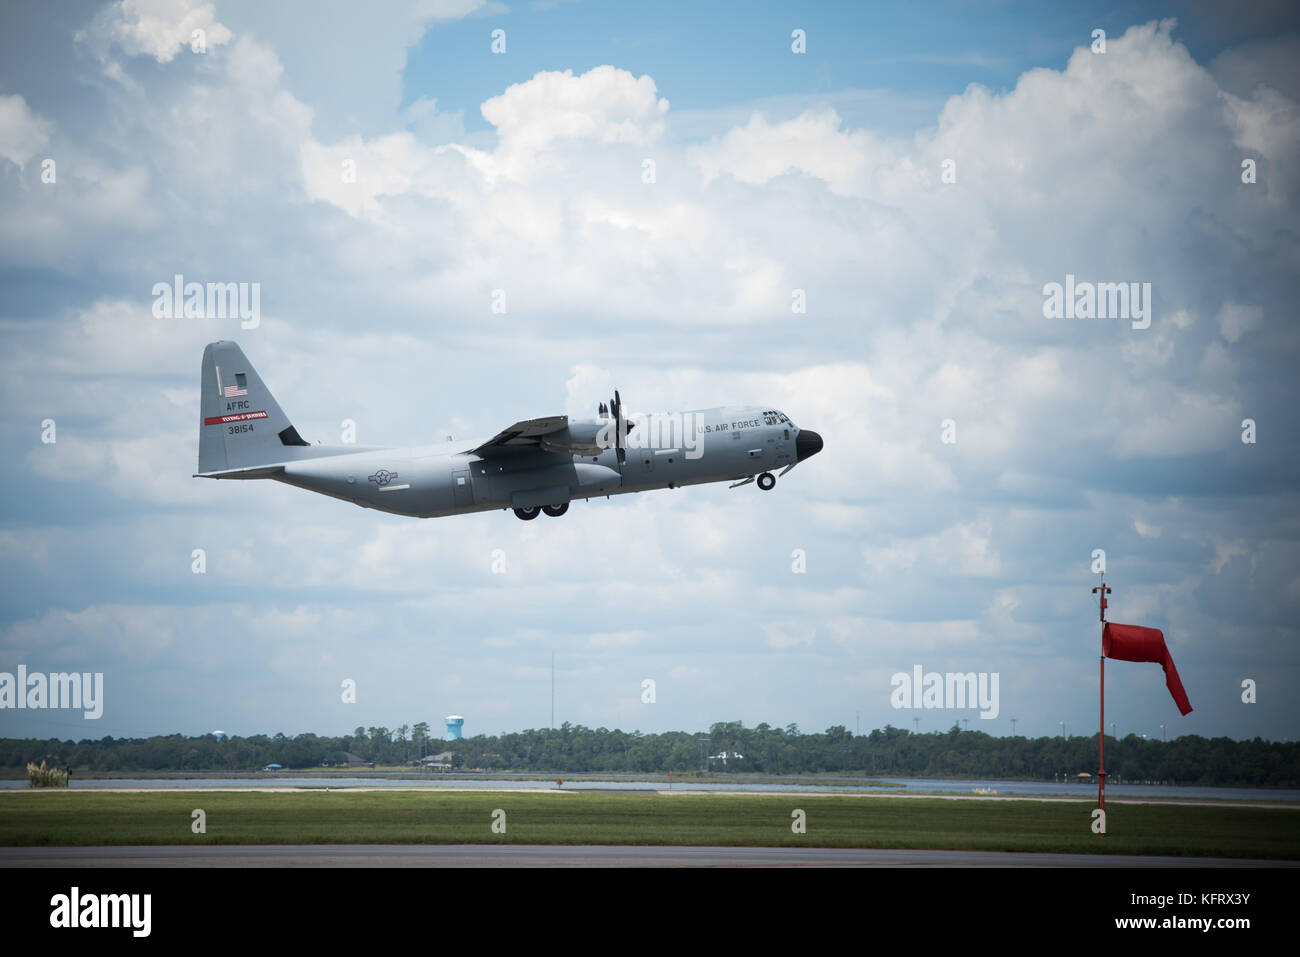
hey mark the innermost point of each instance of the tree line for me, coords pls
(727, 747)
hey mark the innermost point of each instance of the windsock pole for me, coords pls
(1104, 589)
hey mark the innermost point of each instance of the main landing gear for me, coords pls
(555, 511)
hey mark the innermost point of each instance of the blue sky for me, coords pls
(725, 54)
(821, 172)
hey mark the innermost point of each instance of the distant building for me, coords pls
(351, 760)
(454, 724)
(437, 761)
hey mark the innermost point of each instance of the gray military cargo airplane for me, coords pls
(537, 465)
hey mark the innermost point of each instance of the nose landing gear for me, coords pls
(767, 481)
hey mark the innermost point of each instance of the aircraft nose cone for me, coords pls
(807, 444)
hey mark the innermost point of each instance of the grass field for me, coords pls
(411, 817)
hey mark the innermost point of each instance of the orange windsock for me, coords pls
(1135, 643)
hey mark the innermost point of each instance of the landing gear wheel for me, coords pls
(528, 514)
(767, 481)
(555, 511)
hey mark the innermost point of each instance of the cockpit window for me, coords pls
(773, 417)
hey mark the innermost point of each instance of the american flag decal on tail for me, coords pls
(239, 388)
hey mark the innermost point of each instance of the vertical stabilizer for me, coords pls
(241, 424)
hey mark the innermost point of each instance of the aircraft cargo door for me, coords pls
(460, 485)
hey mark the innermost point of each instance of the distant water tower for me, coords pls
(219, 735)
(454, 723)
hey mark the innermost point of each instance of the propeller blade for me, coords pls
(615, 411)
(617, 408)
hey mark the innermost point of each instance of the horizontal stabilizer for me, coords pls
(255, 472)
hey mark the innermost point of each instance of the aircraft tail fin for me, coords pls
(241, 427)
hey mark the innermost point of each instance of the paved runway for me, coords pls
(481, 855)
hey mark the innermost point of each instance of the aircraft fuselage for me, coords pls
(432, 481)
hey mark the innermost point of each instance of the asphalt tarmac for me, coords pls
(481, 855)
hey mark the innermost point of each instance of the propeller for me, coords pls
(616, 409)
(621, 427)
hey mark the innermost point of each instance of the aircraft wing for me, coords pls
(525, 436)
(552, 434)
